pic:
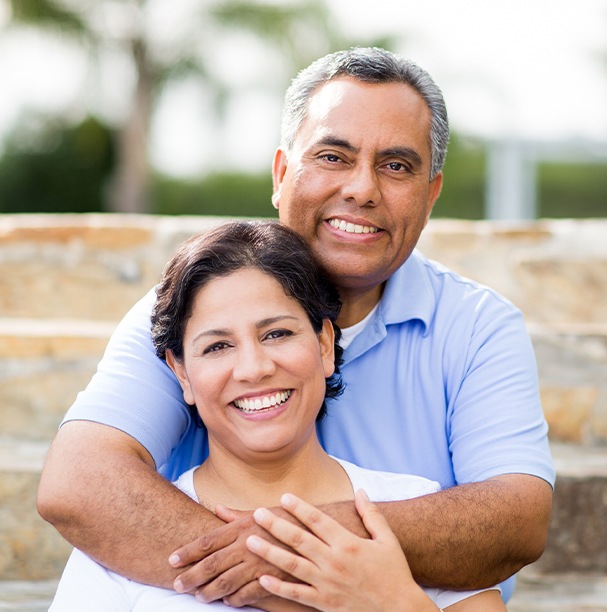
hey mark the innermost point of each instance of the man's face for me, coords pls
(356, 184)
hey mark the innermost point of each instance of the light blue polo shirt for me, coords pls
(441, 383)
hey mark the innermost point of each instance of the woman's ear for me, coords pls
(178, 368)
(327, 347)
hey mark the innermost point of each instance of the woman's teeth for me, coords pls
(262, 403)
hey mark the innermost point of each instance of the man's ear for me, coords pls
(279, 167)
(327, 347)
(179, 369)
(436, 185)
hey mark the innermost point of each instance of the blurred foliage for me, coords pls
(572, 190)
(462, 196)
(51, 167)
(225, 194)
(58, 169)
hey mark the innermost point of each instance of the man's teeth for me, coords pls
(261, 403)
(351, 228)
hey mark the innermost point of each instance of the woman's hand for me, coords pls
(337, 569)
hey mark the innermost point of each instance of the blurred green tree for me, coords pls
(296, 32)
(59, 169)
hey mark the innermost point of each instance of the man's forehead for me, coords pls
(343, 106)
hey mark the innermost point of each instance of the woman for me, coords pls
(244, 317)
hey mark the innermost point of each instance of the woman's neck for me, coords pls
(245, 483)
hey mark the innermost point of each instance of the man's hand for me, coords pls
(219, 564)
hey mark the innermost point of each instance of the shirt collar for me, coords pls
(408, 293)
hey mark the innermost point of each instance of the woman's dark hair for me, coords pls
(267, 246)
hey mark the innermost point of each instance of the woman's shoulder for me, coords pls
(387, 486)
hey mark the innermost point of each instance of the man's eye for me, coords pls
(330, 157)
(398, 167)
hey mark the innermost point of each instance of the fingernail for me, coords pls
(253, 542)
(174, 559)
(178, 586)
(287, 499)
(259, 514)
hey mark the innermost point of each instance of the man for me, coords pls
(440, 374)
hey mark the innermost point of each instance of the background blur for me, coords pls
(174, 107)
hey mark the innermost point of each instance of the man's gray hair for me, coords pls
(371, 65)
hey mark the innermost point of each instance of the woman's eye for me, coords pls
(215, 348)
(278, 333)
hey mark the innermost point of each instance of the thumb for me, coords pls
(372, 518)
(228, 514)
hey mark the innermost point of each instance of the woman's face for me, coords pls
(254, 366)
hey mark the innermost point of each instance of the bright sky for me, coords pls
(533, 69)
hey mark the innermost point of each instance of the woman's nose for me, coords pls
(253, 364)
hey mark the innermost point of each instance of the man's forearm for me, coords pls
(470, 536)
(102, 493)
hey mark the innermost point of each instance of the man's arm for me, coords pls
(473, 535)
(467, 537)
(100, 489)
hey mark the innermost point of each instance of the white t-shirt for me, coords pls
(87, 586)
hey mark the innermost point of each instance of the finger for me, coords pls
(298, 567)
(319, 523)
(301, 593)
(227, 584)
(374, 521)
(201, 547)
(227, 514)
(209, 569)
(294, 536)
(249, 595)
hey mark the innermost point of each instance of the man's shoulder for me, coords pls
(446, 282)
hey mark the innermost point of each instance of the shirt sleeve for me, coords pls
(135, 391)
(495, 419)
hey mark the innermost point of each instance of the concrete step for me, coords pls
(84, 266)
(29, 547)
(577, 541)
(26, 595)
(43, 366)
(565, 592)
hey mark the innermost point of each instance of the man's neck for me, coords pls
(356, 305)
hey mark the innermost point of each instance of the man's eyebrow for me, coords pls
(406, 152)
(334, 141)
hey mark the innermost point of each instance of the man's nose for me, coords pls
(361, 186)
(253, 363)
